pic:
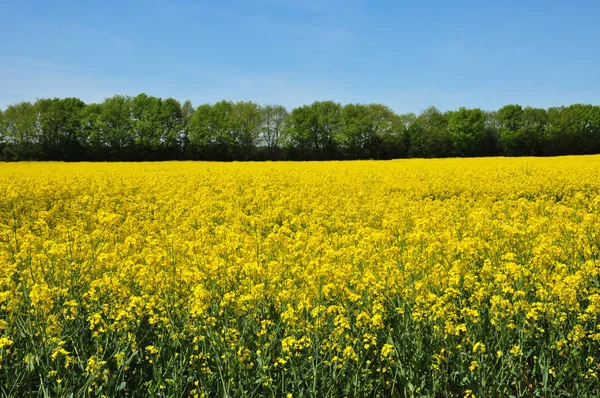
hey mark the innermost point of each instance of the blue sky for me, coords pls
(407, 55)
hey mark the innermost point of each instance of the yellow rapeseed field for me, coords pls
(458, 277)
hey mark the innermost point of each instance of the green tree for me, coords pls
(212, 132)
(467, 128)
(313, 130)
(521, 130)
(223, 136)
(397, 145)
(329, 117)
(148, 128)
(511, 140)
(21, 139)
(298, 132)
(492, 127)
(245, 122)
(429, 136)
(390, 131)
(2, 135)
(533, 125)
(91, 132)
(201, 126)
(274, 120)
(187, 110)
(116, 126)
(371, 131)
(59, 124)
(357, 132)
(146, 125)
(586, 121)
(559, 137)
(171, 123)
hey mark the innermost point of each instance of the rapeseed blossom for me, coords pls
(466, 277)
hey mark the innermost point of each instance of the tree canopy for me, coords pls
(151, 128)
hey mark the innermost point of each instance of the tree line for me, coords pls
(124, 128)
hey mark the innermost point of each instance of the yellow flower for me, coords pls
(479, 346)
(387, 351)
(5, 342)
(274, 268)
(516, 350)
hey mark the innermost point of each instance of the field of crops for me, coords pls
(394, 278)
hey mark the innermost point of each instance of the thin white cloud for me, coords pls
(25, 79)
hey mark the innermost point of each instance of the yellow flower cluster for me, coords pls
(404, 277)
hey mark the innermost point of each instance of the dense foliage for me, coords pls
(151, 128)
(454, 277)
